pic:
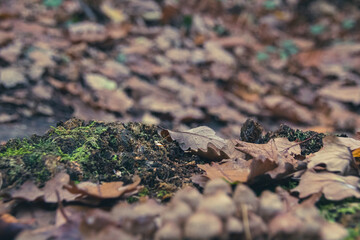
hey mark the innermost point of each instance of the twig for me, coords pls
(298, 143)
(61, 207)
(87, 10)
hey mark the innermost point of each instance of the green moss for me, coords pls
(144, 192)
(345, 212)
(97, 151)
(310, 141)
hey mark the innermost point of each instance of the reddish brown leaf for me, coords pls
(104, 190)
(56, 185)
(231, 171)
(28, 191)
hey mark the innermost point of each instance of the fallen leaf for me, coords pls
(201, 140)
(333, 186)
(99, 82)
(87, 32)
(287, 108)
(116, 15)
(279, 152)
(28, 191)
(11, 76)
(231, 171)
(341, 93)
(54, 189)
(105, 190)
(356, 153)
(335, 156)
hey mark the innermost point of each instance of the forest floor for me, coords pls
(161, 69)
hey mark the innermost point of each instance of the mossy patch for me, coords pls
(98, 152)
(345, 212)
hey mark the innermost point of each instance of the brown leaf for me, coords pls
(333, 186)
(231, 171)
(341, 93)
(287, 108)
(28, 191)
(275, 157)
(104, 190)
(202, 140)
(335, 156)
(57, 185)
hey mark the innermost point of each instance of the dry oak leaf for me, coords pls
(336, 155)
(277, 153)
(202, 140)
(30, 192)
(54, 189)
(333, 186)
(232, 170)
(105, 190)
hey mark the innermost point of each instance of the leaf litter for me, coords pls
(131, 209)
(228, 68)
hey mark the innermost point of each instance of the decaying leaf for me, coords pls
(274, 158)
(333, 186)
(61, 188)
(231, 171)
(336, 156)
(202, 140)
(279, 151)
(105, 190)
(28, 191)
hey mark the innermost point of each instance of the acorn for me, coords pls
(203, 225)
(170, 231)
(216, 185)
(219, 204)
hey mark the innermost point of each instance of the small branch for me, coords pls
(87, 10)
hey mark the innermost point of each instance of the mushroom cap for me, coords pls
(234, 225)
(243, 195)
(189, 195)
(203, 225)
(270, 205)
(169, 231)
(176, 211)
(219, 204)
(216, 185)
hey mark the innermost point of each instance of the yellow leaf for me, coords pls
(356, 153)
(116, 15)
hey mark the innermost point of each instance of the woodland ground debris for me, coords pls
(112, 154)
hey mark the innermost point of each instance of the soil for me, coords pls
(99, 152)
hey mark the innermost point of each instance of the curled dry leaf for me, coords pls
(277, 153)
(30, 192)
(274, 158)
(105, 190)
(231, 171)
(336, 156)
(333, 186)
(202, 140)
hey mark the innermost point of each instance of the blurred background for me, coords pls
(180, 63)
